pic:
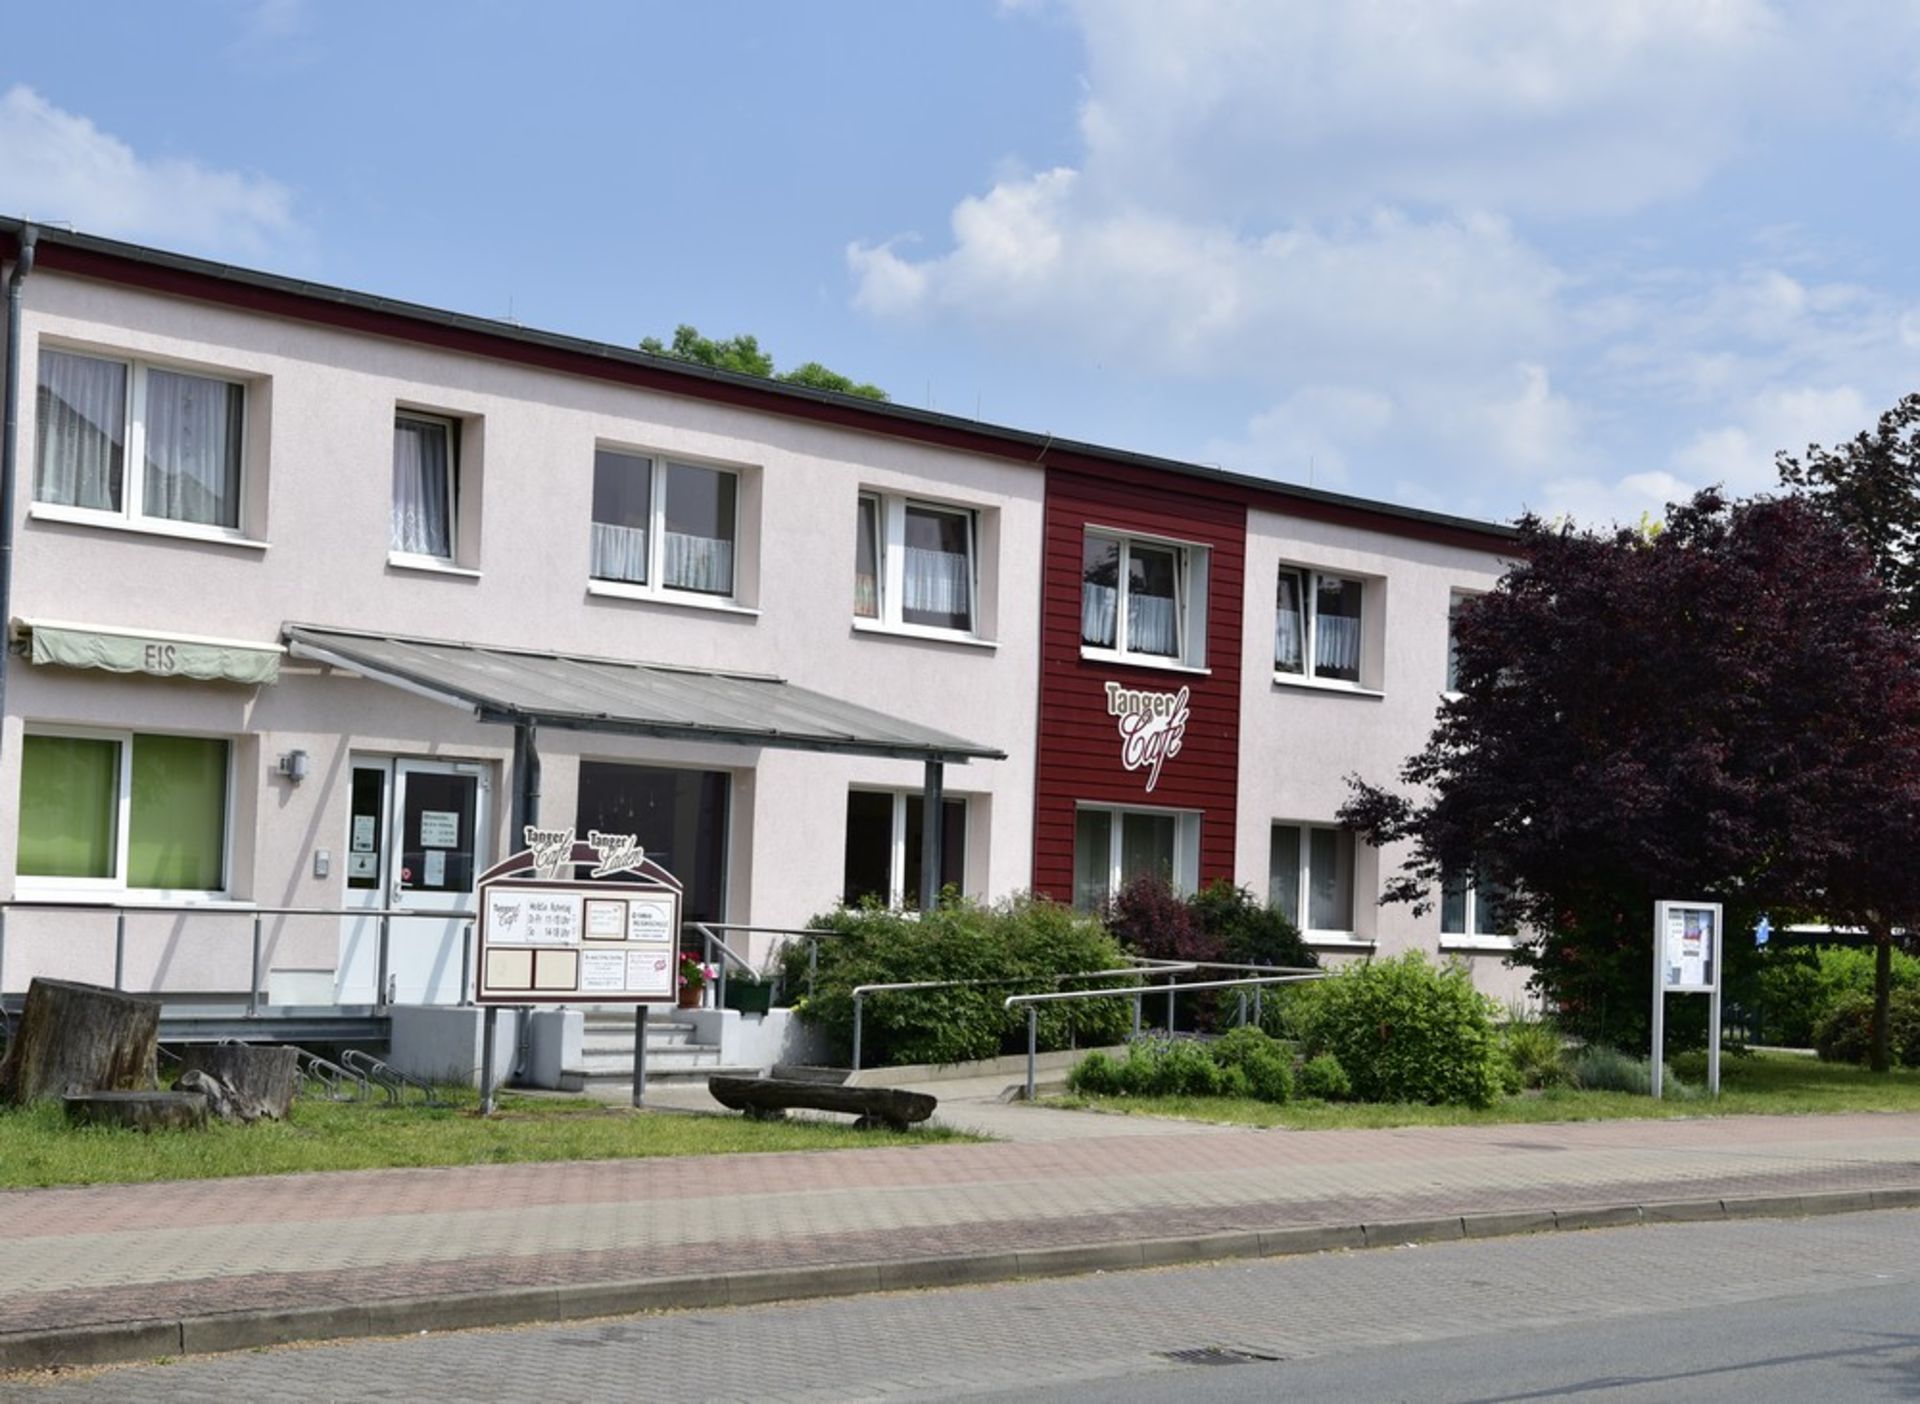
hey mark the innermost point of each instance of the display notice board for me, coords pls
(564, 922)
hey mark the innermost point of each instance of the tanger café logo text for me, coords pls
(1151, 727)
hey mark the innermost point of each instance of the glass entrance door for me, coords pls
(416, 841)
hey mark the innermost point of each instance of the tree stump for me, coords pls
(75, 1038)
(139, 1111)
(263, 1081)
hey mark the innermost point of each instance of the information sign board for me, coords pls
(1690, 947)
(549, 935)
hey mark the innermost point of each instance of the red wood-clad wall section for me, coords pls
(1079, 743)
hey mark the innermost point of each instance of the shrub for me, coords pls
(1598, 1068)
(1845, 1033)
(1323, 1077)
(1096, 1075)
(1408, 1032)
(1799, 986)
(1016, 946)
(1221, 922)
(1170, 1067)
(1536, 1051)
(1267, 1066)
(1150, 919)
(1247, 931)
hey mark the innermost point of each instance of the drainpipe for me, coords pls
(9, 450)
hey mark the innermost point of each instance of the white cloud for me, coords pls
(58, 166)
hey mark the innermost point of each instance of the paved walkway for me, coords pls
(124, 1253)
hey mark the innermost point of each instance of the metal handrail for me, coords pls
(860, 992)
(1034, 1001)
(120, 911)
(812, 934)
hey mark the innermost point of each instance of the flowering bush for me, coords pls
(693, 974)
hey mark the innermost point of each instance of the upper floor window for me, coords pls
(1310, 876)
(1474, 906)
(1142, 599)
(664, 526)
(1456, 603)
(884, 834)
(426, 485)
(118, 811)
(181, 434)
(1317, 629)
(914, 564)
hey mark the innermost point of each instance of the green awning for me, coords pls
(162, 655)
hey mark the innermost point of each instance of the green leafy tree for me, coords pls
(1870, 485)
(742, 355)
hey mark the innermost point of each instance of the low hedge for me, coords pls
(1019, 945)
(1244, 1063)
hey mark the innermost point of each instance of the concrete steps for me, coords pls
(673, 1054)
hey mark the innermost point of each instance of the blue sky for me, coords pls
(1478, 256)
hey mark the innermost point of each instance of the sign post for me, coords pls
(1686, 960)
(547, 934)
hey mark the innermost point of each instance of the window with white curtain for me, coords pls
(663, 527)
(1319, 626)
(1112, 847)
(914, 564)
(181, 433)
(1310, 876)
(1142, 600)
(426, 479)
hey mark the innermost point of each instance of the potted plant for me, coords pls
(693, 981)
(749, 991)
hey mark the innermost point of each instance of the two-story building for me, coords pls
(316, 596)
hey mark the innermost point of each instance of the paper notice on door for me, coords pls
(603, 972)
(363, 825)
(363, 865)
(435, 865)
(439, 828)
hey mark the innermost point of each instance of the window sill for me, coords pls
(428, 565)
(1333, 685)
(640, 594)
(56, 896)
(1478, 945)
(1114, 658)
(1333, 941)
(915, 631)
(142, 526)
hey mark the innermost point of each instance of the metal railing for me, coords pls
(258, 916)
(860, 992)
(1034, 1001)
(708, 931)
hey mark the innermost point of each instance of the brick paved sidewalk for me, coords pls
(97, 1255)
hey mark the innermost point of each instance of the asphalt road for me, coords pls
(1756, 1310)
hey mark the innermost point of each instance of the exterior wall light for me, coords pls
(293, 765)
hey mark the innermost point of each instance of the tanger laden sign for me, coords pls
(1151, 727)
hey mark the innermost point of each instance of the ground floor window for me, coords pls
(1310, 875)
(1112, 847)
(124, 810)
(678, 816)
(1473, 906)
(884, 830)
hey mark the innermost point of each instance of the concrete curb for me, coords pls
(121, 1342)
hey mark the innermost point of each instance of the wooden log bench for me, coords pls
(771, 1098)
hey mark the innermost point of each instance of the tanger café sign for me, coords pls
(1151, 726)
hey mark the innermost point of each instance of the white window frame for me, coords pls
(46, 887)
(897, 894)
(1186, 844)
(1468, 935)
(1303, 898)
(133, 473)
(1310, 578)
(1189, 654)
(1449, 681)
(421, 558)
(656, 588)
(890, 542)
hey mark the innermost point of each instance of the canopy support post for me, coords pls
(526, 781)
(932, 812)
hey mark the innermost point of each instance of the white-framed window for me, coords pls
(1319, 625)
(884, 830)
(915, 564)
(426, 485)
(664, 526)
(1143, 600)
(1310, 876)
(1474, 906)
(1112, 846)
(123, 812)
(137, 440)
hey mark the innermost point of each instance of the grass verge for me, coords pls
(38, 1148)
(1763, 1084)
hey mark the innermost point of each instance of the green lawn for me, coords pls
(1766, 1083)
(38, 1148)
